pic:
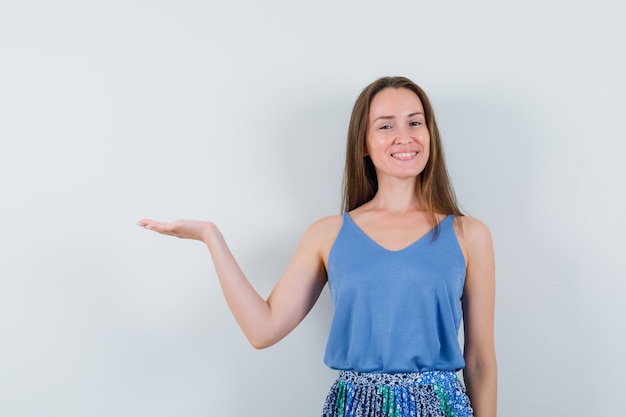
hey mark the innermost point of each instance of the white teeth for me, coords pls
(403, 154)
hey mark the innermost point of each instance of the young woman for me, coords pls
(404, 266)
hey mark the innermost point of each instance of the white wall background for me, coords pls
(115, 110)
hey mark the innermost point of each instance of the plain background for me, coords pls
(111, 111)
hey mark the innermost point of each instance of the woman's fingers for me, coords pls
(150, 224)
(184, 229)
(160, 227)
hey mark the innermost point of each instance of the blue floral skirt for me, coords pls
(424, 394)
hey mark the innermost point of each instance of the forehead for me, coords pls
(395, 102)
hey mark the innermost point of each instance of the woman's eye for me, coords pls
(415, 123)
(385, 127)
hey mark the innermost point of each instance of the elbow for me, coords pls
(260, 342)
(263, 335)
(483, 367)
(480, 355)
(481, 362)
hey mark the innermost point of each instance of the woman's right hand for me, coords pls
(183, 229)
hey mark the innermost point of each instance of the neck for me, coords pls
(398, 196)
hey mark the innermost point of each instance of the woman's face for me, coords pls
(397, 137)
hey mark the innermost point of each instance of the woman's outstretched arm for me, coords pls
(480, 371)
(264, 322)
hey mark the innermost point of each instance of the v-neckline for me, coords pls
(410, 245)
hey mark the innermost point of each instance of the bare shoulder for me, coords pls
(472, 229)
(473, 234)
(326, 228)
(321, 236)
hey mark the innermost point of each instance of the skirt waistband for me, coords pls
(405, 379)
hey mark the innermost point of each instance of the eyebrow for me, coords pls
(393, 117)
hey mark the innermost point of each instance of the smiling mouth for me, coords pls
(404, 155)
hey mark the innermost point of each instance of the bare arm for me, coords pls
(264, 322)
(480, 371)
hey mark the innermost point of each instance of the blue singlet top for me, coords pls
(395, 311)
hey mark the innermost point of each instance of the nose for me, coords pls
(403, 136)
